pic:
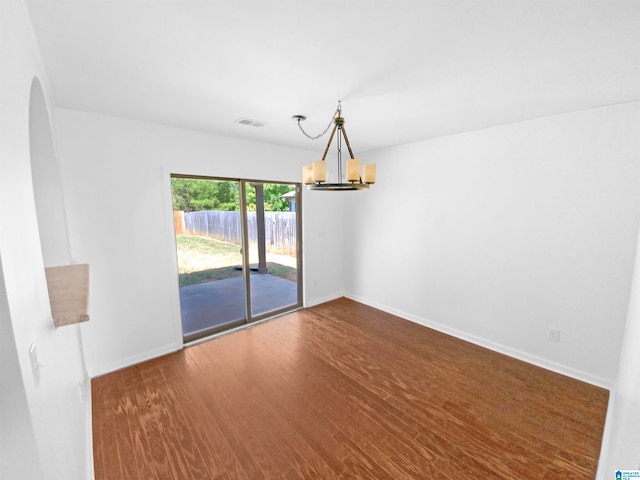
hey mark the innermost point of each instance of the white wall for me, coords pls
(116, 179)
(621, 439)
(47, 184)
(43, 419)
(18, 448)
(499, 234)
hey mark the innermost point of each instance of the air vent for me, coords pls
(251, 123)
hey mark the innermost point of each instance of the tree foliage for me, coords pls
(194, 194)
(272, 194)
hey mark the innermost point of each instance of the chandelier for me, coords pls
(314, 175)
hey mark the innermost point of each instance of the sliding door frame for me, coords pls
(245, 258)
(249, 318)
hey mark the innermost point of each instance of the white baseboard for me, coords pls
(496, 347)
(98, 370)
(89, 425)
(482, 342)
(317, 301)
(133, 360)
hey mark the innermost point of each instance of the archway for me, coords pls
(47, 182)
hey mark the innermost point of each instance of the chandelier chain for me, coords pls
(338, 111)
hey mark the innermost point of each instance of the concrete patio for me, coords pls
(220, 302)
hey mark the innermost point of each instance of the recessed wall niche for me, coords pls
(68, 284)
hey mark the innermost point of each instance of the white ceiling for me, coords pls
(405, 70)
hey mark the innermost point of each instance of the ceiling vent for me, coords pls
(251, 123)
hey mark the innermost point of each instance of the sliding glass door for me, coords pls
(238, 250)
(272, 235)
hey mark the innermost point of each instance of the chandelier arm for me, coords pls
(346, 140)
(326, 150)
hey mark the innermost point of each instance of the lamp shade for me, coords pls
(369, 173)
(319, 171)
(307, 174)
(353, 170)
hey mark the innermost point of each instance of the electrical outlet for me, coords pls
(554, 335)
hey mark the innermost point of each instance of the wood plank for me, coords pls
(342, 390)
(103, 433)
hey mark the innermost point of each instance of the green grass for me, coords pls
(203, 259)
(203, 245)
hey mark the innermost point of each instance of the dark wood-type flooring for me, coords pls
(342, 390)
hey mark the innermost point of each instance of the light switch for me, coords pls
(35, 363)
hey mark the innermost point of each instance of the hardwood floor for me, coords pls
(342, 390)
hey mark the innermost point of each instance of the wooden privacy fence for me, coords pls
(280, 228)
